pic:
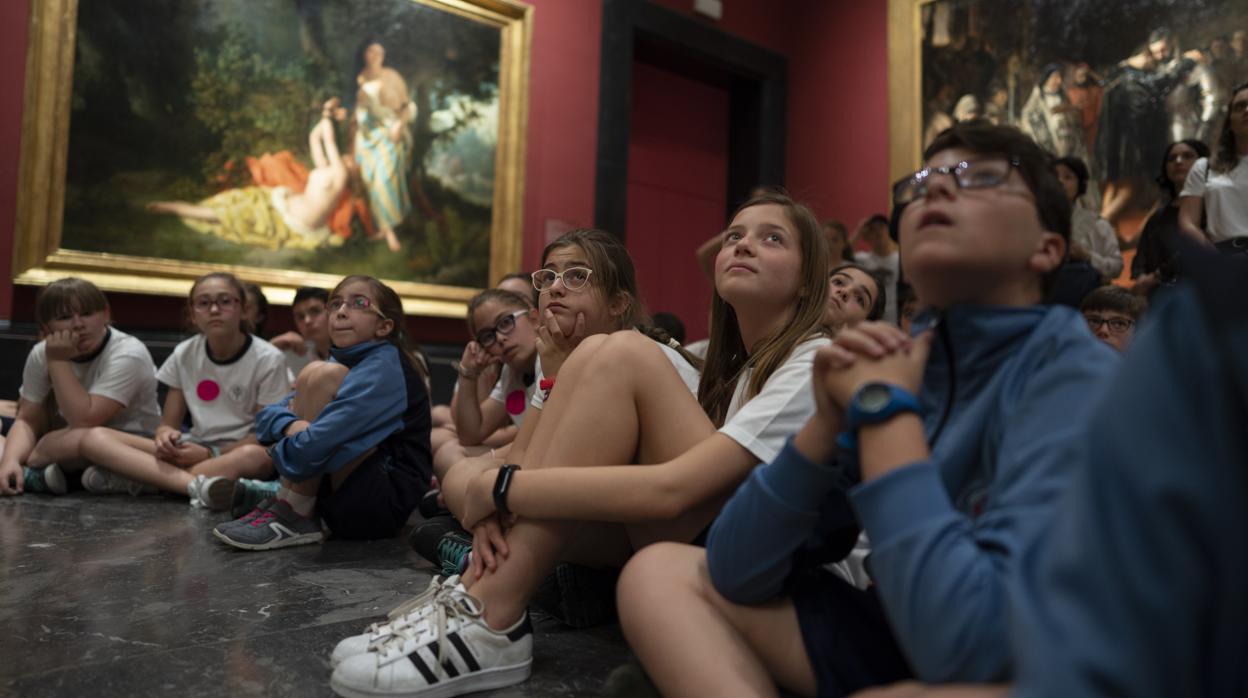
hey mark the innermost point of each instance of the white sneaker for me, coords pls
(214, 492)
(100, 481)
(403, 615)
(448, 652)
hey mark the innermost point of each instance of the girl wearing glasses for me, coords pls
(502, 326)
(620, 444)
(84, 373)
(351, 443)
(223, 375)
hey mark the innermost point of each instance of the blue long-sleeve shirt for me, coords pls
(371, 405)
(1141, 589)
(944, 532)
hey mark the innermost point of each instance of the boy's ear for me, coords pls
(1049, 252)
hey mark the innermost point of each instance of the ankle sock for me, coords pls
(303, 504)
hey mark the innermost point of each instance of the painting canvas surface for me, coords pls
(195, 128)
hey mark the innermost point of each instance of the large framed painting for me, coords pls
(289, 141)
(1111, 82)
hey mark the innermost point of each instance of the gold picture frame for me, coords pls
(905, 85)
(39, 257)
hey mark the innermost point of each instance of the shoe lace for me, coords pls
(423, 597)
(449, 604)
(262, 519)
(451, 552)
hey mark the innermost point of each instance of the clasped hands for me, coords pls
(169, 448)
(869, 352)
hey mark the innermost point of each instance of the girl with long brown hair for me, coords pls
(620, 442)
(351, 443)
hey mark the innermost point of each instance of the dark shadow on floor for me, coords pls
(122, 596)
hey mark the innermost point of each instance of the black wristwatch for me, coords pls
(501, 484)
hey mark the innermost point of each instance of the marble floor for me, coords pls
(122, 596)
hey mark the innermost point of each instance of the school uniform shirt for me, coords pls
(1226, 198)
(296, 362)
(780, 409)
(688, 374)
(514, 393)
(121, 370)
(224, 395)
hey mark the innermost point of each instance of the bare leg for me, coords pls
(248, 460)
(133, 457)
(185, 210)
(441, 418)
(61, 446)
(694, 642)
(316, 387)
(452, 453)
(654, 419)
(392, 241)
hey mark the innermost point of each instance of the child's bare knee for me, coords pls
(447, 456)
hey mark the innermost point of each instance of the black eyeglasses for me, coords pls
(488, 336)
(1116, 325)
(976, 174)
(204, 303)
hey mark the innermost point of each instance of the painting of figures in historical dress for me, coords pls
(327, 136)
(1110, 82)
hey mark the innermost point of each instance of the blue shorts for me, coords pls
(846, 635)
(375, 501)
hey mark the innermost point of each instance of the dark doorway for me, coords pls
(690, 120)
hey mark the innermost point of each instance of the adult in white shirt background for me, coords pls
(1218, 187)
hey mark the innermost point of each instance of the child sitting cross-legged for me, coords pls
(950, 448)
(84, 373)
(223, 375)
(503, 327)
(351, 443)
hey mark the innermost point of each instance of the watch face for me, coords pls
(873, 397)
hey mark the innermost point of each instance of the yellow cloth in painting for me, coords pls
(248, 217)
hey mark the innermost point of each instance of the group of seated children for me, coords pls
(823, 504)
(350, 444)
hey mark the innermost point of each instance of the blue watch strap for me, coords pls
(874, 403)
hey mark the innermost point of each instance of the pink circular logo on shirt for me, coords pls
(515, 402)
(207, 390)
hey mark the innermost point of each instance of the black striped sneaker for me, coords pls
(448, 651)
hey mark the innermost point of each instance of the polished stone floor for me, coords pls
(122, 596)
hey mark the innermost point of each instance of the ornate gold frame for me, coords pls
(905, 84)
(38, 257)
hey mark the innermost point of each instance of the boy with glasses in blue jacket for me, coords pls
(949, 448)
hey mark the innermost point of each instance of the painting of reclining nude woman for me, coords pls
(1110, 82)
(327, 136)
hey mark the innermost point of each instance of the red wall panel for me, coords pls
(677, 177)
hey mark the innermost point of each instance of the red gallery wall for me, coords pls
(837, 112)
